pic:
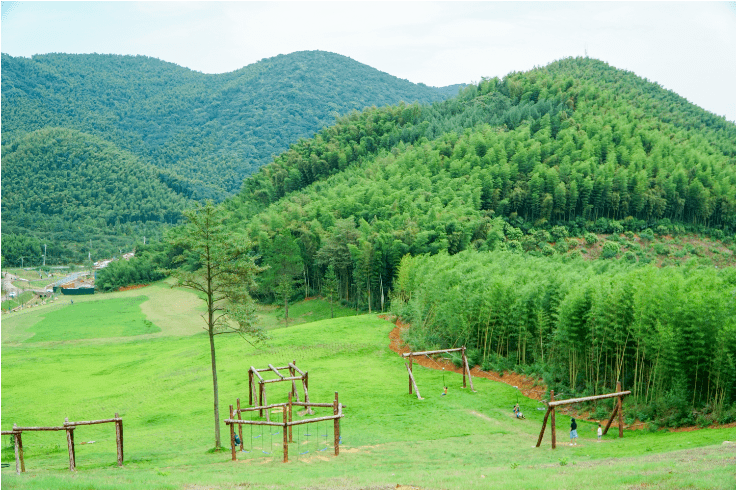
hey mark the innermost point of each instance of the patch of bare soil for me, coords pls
(134, 286)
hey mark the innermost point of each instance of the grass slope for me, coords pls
(162, 387)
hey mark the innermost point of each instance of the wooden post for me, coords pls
(620, 410)
(411, 361)
(260, 398)
(240, 427)
(306, 392)
(411, 380)
(70, 447)
(610, 419)
(553, 428)
(20, 466)
(119, 439)
(291, 439)
(250, 387)
(544, 425)
(232, 435)
(467, 367)
(265, 403)
(336, 427)
(465, 362)
(286, 437)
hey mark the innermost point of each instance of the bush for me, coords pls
(610, 250)
(591, 238)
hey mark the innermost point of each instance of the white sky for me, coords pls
(688, 47)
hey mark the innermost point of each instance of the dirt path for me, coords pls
(529, 387)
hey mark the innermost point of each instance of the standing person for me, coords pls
(573, 432)
(600, 432)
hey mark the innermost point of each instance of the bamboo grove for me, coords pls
(667, 333)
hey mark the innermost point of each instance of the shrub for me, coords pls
(610, 250)
(591, 238)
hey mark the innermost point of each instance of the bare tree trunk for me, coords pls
(214, 385)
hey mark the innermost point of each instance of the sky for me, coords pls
(687, 47)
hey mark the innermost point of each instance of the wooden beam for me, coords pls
(119, 439)
(23, 429)
(411, 377)
(254, 370)
(427, 352)
(411, 366)
(610, 419)
(295, 378)
(620, 411)
(92, 422)
(336, 427)
(588, 398)
(293, 366)
(250, 387)
(544, 425)
(553, 428)
(240, 427)
(286, 438)
(252, 422)
(467, 368)
(270, 366)
(232, 437)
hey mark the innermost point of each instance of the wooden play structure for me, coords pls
(409, 367)
(617, 409)
(254, 373)
(69, 427)
(287, 423)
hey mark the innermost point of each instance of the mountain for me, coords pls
(205, 133)
(572, 148)
(181, 135)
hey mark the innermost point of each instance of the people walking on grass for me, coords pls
(600, 432)
(573, 432)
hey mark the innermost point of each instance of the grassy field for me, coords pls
(160, 383)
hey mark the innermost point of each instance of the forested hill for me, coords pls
(205, 133)
(66, 188)
(472, 217)
(571, 148)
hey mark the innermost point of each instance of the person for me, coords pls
(444, 392)
(237, 440)
(573, 432)
(600, 432)
(517, 412)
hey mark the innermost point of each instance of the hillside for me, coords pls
(522, 163)
(156, 377)
(205, 132)
(199, 135)
(576, 159)
(64, 186)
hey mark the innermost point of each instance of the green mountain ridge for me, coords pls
(208, 132)
(199, 135)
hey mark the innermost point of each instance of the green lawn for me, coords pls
(161, 384)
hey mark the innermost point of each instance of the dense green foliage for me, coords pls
(666, 333)
(65, 188)
(146, 267)
(574, 149)
(108, 147)
(499, 166)
(204, 133)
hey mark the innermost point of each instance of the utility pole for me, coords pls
(44, 255)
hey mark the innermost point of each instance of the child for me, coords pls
(600, 432)
(517, 411)
(444, 392)
(573, 432)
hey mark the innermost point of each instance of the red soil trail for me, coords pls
(529, 387)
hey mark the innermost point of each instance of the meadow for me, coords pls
(63, 360)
